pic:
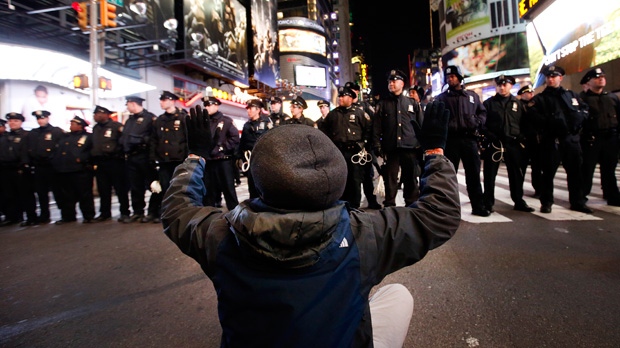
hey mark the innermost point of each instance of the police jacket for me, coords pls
(106, 138)
(504, 117)
(278, 118)
(603, 113)
(347, 126)
(467, 114)
(137, 133)
(301, 120)
(73, 152)
(560, 111)
(169, 138)
(302, 279)
(41, 145)
(392, 123)
(252, 130)
(225, 136)
(12, 150)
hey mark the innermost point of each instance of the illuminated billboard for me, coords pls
(299, 40)
(589, 36)
(146, 18)
(215, 37)
(310, 76)
(266, 60)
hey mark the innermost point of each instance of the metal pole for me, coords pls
(94, 58)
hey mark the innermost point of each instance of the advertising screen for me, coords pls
(215, 37)
(147, 17)
(266, 53)
(298, 40)
(310, 76)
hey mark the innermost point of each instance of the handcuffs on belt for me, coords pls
(361, 157)
(244, 163)
(498, 151)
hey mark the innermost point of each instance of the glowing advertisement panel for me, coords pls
(215, 37)
(146, 18)
(266, 59)
(589, 36)
(310, 76)
(298, 40)
(466, 18)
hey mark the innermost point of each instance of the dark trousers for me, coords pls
(165, 172)
(45, 181)
(406, 160)
(355, 175)
(76, 187)
(220, 178)
(465, 149)
(567, 151)
(602, 149)
(111, 174)
(513, 156)
(140, 174)
(368, 182)
(533, 156)
(18, 194)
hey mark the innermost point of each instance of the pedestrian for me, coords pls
(294, 267)
(168, 148)
(109, 163)
(277, 116)
(395, 140)
(253, 129)
(599, 138)
(350, 129)
(324, 109)
(503, 129)
(562, 115)
(298, 105)
(220, 174)
(467, 115)
(72, 162)
(16, 175)
(40, 147)
(532, 132)
(136, 137)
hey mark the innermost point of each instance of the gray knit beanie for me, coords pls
(297, 167)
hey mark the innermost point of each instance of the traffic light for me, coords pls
(105, 83)
(81, 9)
(80, 81)
(107, 14)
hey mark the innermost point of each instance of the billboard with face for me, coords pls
(266, 55)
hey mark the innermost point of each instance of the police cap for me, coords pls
(299, 101)
(322, 102)
(526, 89)
(101, 109)
(41, 114)
(594, 73)
(453, 70)
(80, 121)
(554, 70)
(347, 91)
(135, 99)
(211, 101)
(354, 86)
(256, 103)
(168, 95)
(396, 75)
(15, 116)
(502, 79)
(2, 122)
(275, 100)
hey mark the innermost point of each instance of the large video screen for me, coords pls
(298, 40)
(266, 52)
(215, 36)
(146, 17)
(310, 76)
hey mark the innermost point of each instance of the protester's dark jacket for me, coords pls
(137, 133)
(73, 152)
(504, 117)
(41, 145)
(12, 148)
(347, 125)
(603, 113)
(105, 141)
(392, 123)
(467, 114)
(252, 130)
(169, 138)
(302, 279)
(561, 112)
(225, 136)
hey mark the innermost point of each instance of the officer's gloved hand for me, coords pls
(434, 130)
(199, 137)
(378, 151)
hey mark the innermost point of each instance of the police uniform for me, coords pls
(349, 129)
(277, 118)
(394, 139)
(168, 149)
(109, 161)
(252, 130)
(467, 115)
(562, 114)
(599, 139)
(531, 129)
(72, 161)
(40, 148)
(319, 123)
(220, 171)
(503, 128)
(135, 140)
(301, 119)
(2, 201)
(16, 177)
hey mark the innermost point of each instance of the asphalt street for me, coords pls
(512, 280)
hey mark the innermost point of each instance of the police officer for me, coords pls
(298, 105)
(467, 115)
(562, 115)
(395, 140)
(503, 128)
(531, 129)
(324, 109)
(277, 116)
(109, 161)
(2, 204)
(220, 173)
(72, 161)
(40, 148)
(253, 129)
(16, 175)
(599, 139)
(135, 140)
(349, 128)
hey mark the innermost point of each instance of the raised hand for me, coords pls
(199, 139)
(434, 130)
